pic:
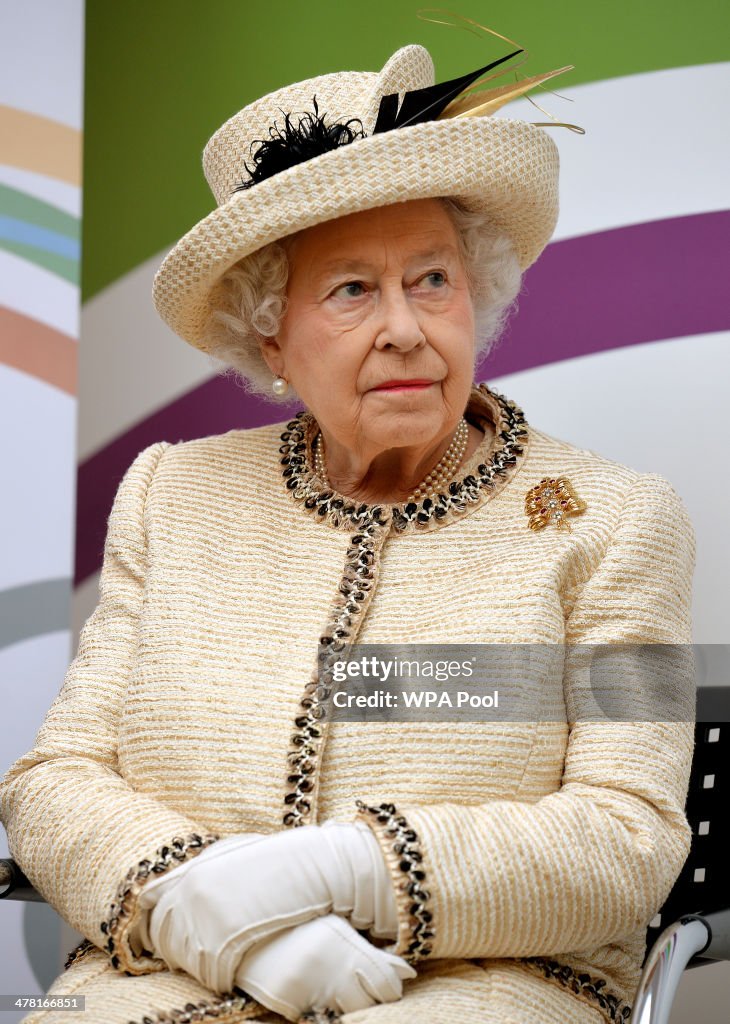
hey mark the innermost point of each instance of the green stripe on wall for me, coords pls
(62, 266)
(15, 203)
(161, 77)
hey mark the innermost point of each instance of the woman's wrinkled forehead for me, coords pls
(411, 232)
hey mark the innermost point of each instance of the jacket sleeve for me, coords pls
(83, 836)
(595, 859)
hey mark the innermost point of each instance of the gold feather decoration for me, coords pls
(476, 101)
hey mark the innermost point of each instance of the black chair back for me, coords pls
(703, 885)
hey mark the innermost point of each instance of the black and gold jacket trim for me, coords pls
(352, 600)
(404, 856)
(79, 952)
(121, 915)
(592, 990)
(342, 513)
(217, 1008)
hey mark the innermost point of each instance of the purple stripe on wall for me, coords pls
(647, 282)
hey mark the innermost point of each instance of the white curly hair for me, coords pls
(251, 299)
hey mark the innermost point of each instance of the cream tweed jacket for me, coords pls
(527, 857)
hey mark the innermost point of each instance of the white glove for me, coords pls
(139, 935)
(322, 964)
(209, 911)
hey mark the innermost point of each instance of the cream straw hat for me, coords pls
(506, 167)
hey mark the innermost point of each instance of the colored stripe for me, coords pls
(32, 211)
(53, 193)
(34, 609)
(19, 234)
(38, 350)
(39, 144)
(61, 266)
(39, 294)
(647, 282)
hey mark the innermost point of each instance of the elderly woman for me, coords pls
(229, 850)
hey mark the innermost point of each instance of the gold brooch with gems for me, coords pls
(552, 500)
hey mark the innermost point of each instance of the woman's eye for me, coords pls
(351, 290)
(436, 279)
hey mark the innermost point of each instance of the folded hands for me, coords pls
(278, 915)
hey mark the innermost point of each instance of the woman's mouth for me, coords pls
(417, 384)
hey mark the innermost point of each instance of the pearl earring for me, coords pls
(280, 385)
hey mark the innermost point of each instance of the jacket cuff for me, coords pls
(125, 911)
(403, 856)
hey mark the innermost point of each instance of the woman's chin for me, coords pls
(405, 406)
(409, 432)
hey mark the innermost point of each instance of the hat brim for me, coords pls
(506, 168)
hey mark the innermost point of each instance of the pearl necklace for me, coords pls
(435, 482)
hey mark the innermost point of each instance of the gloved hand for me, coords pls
(156, 888)
(321, 964)
(209, 911)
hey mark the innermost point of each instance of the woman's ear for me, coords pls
(271, 354)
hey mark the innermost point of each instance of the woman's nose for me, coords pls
(398, 324)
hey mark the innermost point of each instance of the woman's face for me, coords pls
(379, 296)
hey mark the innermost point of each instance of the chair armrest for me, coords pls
(718, 947)
(664, 966)
(14, 885)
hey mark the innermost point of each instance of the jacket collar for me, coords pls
(491, 466)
